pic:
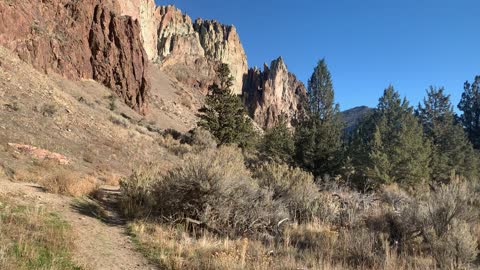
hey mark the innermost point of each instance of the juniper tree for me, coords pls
(470, 106)
(224, 114)
(318, 138)
(452, 152)
(278, 143)
(389, 146)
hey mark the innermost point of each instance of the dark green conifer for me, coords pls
(224, 114)
(318, 139)
(278, 144)
(470, 106)
(389, 146)
(452, 152)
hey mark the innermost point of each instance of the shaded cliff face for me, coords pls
(273, 93)
(79, 39)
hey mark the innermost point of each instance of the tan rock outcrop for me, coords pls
(174, 41)
(222, 43)
(177, 41)
(79, 39)
(272, 93)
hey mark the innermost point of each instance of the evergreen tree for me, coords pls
(470, 106)
(277, 144)
(452, 153)
(389, 147)
(224, 114)
(318, 140)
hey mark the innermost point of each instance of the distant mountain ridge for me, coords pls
(352, 117)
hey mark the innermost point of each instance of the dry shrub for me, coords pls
(58, 179)
(457, 248)
(438, 223)
(215, 188)
(314, 237)
(186, 101)
(136, 198)
(69, 183)
(294, 187)
(110, 178)
(174, 145)
(359, 248)
(448, 225)
(202, 139)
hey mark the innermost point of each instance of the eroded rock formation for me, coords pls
(188, 50)
(274, 92)
(222, 43)
(79, 39)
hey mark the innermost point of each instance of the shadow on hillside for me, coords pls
(102, 205)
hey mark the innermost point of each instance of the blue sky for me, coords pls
(368, 44)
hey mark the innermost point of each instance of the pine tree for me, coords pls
(318, 140)
(224, 114)
(277, 144)
(452, 152)
(470, 106)
(389, 147)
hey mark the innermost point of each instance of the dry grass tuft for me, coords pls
(58, 179)
(69, 183)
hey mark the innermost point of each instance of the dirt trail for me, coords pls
(99, 245)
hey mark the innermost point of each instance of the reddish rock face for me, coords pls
(79, 39)
(118, 58)
(273, 93)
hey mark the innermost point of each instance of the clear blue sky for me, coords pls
(368, 44)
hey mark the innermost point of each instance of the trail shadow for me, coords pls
(102, 206)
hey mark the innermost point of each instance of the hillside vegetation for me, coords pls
(398, 192)
(132, 137)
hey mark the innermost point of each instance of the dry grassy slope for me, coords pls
(81, 125)
(171, 103)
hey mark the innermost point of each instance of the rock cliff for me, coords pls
(188, 50)
(79, 39)
(145, 11)
(222, 43)
(274, 92)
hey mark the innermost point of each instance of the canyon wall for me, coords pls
(79, 39)
(188, 50)
(113, 41)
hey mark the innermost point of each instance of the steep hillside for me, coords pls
(80, 120)
(79, 40)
